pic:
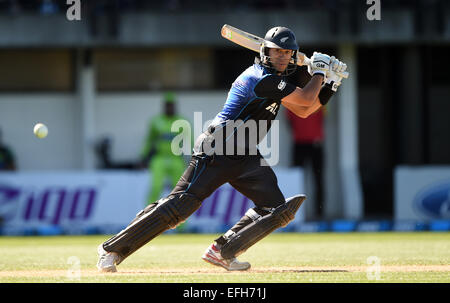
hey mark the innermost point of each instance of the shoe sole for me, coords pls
(107, 269)
(214, 261)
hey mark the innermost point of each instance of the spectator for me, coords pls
(7, 161)
(308, 140)
(157, 151)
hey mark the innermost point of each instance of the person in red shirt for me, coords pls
(307, 136)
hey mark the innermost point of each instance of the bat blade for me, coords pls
(251, 41)
(254, 43)
(241, 38)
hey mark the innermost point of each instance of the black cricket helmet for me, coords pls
(283, 38)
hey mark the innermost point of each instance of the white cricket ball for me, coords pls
(40, 130)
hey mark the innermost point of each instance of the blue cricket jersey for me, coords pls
(254, 96)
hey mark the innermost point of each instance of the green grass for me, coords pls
(279, 258)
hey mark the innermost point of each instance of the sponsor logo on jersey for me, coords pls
(273, 108)
(282, 85)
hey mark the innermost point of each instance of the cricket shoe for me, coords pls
(212, 255)
(106, 260)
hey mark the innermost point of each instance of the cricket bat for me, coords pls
(253, 43)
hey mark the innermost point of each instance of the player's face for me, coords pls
(280, 58)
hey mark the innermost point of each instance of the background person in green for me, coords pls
(162, 162)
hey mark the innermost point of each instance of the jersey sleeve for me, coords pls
(273, 87)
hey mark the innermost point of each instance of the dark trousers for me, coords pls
(247, 174)
(313, 153)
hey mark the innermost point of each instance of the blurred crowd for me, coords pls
(112, 9)
(58, 6)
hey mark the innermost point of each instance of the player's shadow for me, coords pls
(309, 270)
(314, 270)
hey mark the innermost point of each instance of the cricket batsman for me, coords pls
(222, 154)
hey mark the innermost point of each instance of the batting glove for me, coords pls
(336, 67)
(320, 64)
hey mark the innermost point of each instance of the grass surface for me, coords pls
(279, 258)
